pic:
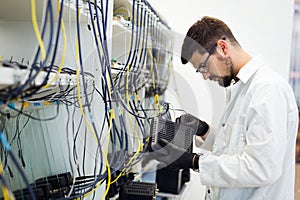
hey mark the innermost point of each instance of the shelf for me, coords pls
(12, 77)
(120, 41)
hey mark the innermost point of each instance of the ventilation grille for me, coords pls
(179, 134)
(138, 191)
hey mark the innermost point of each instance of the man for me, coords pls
(251, 155)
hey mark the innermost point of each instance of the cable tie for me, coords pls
(47, 103)
(25, 104)
(91, 117)
(156, 99)
(4, 142)
(36, 104)
(138, 97)
(57, 102)
(112, 114)
(11, 105)
(151, 100)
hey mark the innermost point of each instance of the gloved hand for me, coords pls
(174, 157)
(190, 120)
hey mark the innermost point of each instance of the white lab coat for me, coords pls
(251, 156)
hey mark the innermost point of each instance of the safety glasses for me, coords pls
(203, 67)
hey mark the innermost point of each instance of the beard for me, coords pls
(226, 80)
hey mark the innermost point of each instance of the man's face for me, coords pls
(217, 68)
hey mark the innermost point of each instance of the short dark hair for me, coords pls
(202, 35)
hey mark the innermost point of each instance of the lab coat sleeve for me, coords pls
(261, 160)
(209, 141)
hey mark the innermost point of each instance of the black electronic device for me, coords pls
(138, 191)
(179, 134)
(168, 180)
(47, 188)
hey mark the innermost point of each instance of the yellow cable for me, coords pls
(78, 90)
(64, 52)
(156, 97)
(90, 128)
(36, 30)
(6, 193)
(106, 164)
(109, 85)
(140, 146)
(128, 105)
(1, 168)
(112, 116)
(81, 107)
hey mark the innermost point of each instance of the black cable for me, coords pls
(145, 41)
(2, 179)
(17, 129)
(68, 141)
(137, 120)
(56, 43)
(19, 143)
(35, 118)
(75, 154)
(107, 63)
(129, 58)
(137, 41)
(84, 150)
(135, 64)
(48, 11)
(20, 89)
(133, 114)
(17, 165)
(28, 186)
(80, 61)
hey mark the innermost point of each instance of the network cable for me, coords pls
(7, 148)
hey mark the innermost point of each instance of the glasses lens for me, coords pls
(202, 68)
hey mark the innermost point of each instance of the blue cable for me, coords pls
(55, 47)
(107, 62)
(19, 90)
(7, 148)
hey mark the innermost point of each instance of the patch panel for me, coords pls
(13, 77)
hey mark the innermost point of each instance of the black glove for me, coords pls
(194, 122)
(174, 157)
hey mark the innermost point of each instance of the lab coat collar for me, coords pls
(248, 70)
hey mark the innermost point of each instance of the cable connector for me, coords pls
(138, 97)
(112, 114)
(4, 142)
(156, 99)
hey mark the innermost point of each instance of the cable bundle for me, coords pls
(104, 113)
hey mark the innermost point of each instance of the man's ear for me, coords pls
(222, 47)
